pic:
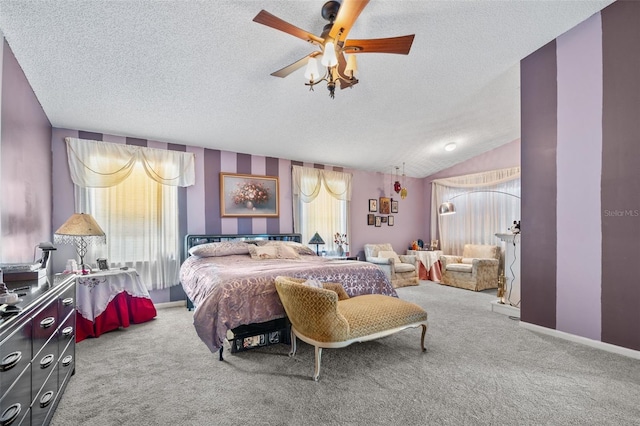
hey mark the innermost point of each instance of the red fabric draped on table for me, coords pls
(110, 300)
(123, 310)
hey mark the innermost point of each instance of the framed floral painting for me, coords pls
(248, 195)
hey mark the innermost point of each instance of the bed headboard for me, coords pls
(194, 240)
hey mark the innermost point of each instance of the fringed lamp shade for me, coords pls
(317, 240)
(80, 229)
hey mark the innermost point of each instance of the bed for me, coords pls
(230, 279)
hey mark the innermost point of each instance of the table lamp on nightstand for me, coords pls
(317, 240)
(80, 229)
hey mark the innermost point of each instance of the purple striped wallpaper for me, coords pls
(581, 205)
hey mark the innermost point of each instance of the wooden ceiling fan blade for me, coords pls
(347, 15)
(294, 66)
(266, 18)
(400, 45)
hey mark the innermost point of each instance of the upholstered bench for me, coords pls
(326, 317)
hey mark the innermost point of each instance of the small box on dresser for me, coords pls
(37, 351)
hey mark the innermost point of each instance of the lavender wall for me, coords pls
(25, 156)
(503, 157)
(581, 220)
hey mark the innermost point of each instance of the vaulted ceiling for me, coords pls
(198, 73)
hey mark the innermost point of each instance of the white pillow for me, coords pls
(272, 252)
(313, 283)
(389, 255)
(224, 248)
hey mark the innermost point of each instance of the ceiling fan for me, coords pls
(333, 45)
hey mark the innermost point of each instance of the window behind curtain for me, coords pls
(140, 219)
(328, 212)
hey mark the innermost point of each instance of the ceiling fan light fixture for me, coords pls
(329, 58)
(311, 73)
(352, 66)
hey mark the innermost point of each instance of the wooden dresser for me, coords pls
(37, 350)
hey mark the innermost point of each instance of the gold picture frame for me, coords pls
(385, 205)
(244, 195)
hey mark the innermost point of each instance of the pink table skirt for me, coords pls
(123, 310)
(433, 274)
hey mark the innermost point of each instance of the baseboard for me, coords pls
(582, 340)
(504, 309)
(175, 304)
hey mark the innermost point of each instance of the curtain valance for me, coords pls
(490, 178)
(97, 164)
(308, 181)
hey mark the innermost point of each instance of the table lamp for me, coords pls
(80, 229)
(317, 240)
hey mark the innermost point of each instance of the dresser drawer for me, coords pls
(44, 400)
(15, 354)
(15, 403)
(67, 363)
(67, 331)
(67, 302)
(44, 363)
(45, 323)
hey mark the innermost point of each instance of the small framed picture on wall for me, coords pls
(378, 220)
(385, 205)
(394, 206)
(373, 205)
(390, 221)
(371, 219)
(383, 219)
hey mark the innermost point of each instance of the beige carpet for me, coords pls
(481, 368)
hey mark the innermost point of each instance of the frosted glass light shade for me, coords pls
(311, 72)
(446, 208)
(329, 58)
(352, 66)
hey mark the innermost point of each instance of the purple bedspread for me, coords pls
(229, 291)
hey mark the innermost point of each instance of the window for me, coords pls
(321, 203)
(132, 192)
(140, 219)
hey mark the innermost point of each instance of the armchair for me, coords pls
(402, 270)
(477, 268)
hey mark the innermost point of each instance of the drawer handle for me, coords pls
(46, 361)
(10, 414)
(67, 331)
(46, 399)
(10, 361)
(66, 361)
(67, 301)
(47, 322)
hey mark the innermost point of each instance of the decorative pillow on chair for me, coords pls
(389, 255)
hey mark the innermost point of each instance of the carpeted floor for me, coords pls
(481, 368)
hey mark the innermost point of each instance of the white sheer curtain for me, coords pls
(321, 203)
(480, 213)
(132, 192)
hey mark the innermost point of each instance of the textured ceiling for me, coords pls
(197, 73)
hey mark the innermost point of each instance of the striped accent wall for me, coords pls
(199, 204)
(580, 98)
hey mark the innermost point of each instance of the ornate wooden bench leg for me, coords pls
(424, 331)
(220, 353)
(293, 343)
(316, 374)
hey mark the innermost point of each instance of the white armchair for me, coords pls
(477, 268)
(402, 270)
